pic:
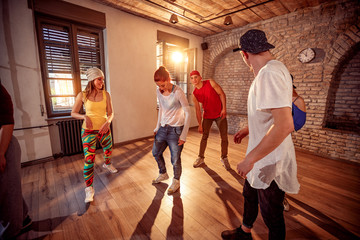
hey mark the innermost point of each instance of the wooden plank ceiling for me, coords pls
(206, 17)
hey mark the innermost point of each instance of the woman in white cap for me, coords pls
(96, 125)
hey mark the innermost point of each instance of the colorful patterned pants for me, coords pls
(88, 138)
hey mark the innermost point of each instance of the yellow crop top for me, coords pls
(96, 111)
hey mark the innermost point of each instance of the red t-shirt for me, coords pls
(210, 100)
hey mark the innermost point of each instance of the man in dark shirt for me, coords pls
(14, 217)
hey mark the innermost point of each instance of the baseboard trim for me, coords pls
(37, 161)
(328, 157)
(131, 141)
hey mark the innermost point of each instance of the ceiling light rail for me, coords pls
(240, 10)
(208, 20)
(172, 2)
(171, 11)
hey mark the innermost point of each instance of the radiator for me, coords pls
(70, 136)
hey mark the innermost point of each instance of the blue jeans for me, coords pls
(271, 208)
(168, 136)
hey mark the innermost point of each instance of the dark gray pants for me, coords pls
(13, 208)
(223, 128)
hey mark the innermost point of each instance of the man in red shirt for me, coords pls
(213, 101)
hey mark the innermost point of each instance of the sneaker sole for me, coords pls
(154, 181)
(198, 165)
(89, 200)
(110, 170)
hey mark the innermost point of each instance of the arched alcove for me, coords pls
(343, 103)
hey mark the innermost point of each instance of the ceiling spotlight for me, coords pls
(174, 19)
(228, 20)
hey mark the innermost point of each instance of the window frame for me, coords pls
(190, 64)
(74, 28)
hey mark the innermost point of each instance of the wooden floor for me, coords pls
(127, 206)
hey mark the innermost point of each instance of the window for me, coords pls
(173, 53)
(175, 60)
(66, 49)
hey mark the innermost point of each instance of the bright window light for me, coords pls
(177, 57)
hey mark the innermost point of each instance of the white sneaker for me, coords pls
(225, 163)
(174, 186)
(198, 162)
(110, 168)
(160, 178)
(89, 192)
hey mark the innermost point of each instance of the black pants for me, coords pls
(271, 208)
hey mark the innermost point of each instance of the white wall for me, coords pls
(130, 55)
(20, 74)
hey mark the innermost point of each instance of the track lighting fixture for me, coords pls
(228, 20)
(174, 19)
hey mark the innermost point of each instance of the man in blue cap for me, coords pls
(269, 166)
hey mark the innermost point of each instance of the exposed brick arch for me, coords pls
(209, 69)
(219, 47)
(225, 43)
(341, 111)
(341, 46)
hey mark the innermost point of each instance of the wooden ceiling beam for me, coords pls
(206, 17)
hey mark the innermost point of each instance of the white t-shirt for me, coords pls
(174, 110)
(271, 88)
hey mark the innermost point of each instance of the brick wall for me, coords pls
(333, 30)
(343, 111)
